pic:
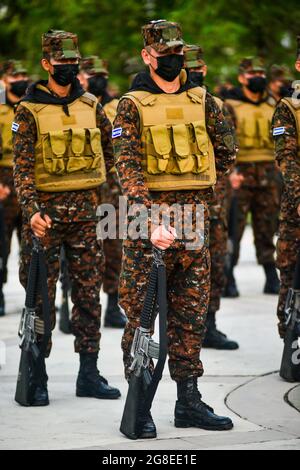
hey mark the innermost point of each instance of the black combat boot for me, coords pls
(149, 429)
(114, 317)
(90, 383)
(230, 289)
(2, 304)
(272, 284)
(191, 411)
(40, 396)
(215, 339)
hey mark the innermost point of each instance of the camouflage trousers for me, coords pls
(288, 246)
(259, 195)
(85, 264)
(218, 236)
(110, 193)
(12, 215)
(188, 280)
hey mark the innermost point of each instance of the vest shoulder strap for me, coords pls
(89, 99)
(292, 104)
(197, 94)
(34, 108)
(145, 98)
(294, 108)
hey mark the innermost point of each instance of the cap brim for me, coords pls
(167, 46)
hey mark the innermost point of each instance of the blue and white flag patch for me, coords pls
(15, 127)
(278, 130)
(117, 132)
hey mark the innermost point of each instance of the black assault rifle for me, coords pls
(144, 381)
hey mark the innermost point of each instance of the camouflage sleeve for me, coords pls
(128, 154)
(24, 140)
(222, 135)
(104, 125)
(286, 151)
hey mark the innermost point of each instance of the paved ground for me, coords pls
(242, 384)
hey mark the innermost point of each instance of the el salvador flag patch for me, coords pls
(278, 130)
(117, 132)
(15, 127)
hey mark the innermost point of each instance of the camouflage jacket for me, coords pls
(286, 156)
(61, 206)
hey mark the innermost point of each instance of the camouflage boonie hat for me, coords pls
(193, 56)
(13, 67)
(253, 64)
(298, 47)
(162, 35)
(280, 72)
(60, 45)
(94, 65)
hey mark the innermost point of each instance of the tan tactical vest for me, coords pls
(111, 109)
(253, 131)
(6, 120)
(294, 107)
(178, 153)
(68, 151)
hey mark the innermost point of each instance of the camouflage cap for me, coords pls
(60, 45)
(13, 67)
(94, 65)
(298, 47)
(162, 35)
(193, 56)
(252, 64)
(280, 72)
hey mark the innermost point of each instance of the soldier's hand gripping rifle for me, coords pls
(64, 311)
(144, 381)
(33, 327)
(290, 365)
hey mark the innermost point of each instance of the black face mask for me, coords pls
(197, 78)
(97, 85)
(65, 74)
(257, 84)
(284, 91)
(19, 88)
(169, 66)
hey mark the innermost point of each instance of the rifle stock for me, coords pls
(290, 364)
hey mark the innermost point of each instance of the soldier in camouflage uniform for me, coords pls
(286, 134)
(150, 173)
(62, 148)
(218, 215)
(259, 192)
(93, 76)
(16, 81)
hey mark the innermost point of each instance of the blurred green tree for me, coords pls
(226, 29)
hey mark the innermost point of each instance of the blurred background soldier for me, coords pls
(94, 78)
(16, 81)
(218, 214)
(280, 83)
(259, 191)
